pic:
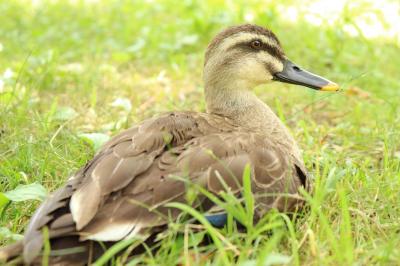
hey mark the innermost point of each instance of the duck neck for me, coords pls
(242, 106)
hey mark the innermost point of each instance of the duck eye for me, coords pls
(256, 44)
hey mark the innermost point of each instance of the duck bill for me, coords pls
(294, 74)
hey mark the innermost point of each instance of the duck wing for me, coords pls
(122, 192)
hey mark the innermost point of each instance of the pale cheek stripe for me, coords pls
(275, 63)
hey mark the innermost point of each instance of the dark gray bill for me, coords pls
(295, 75)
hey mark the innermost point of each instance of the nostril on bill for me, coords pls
(296, 68)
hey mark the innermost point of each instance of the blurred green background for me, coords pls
(72, 73)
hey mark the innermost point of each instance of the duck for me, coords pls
(124, 191)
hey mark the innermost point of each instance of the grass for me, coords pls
(65, 64)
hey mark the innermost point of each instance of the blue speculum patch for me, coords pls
(217, 220)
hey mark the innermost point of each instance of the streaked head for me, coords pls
(250, 55)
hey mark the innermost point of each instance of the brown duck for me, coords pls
(122, 191)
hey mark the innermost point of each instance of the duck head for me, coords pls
(248, 55)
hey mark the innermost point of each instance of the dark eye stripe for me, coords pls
(271, 49)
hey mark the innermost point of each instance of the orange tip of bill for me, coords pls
(330, 87)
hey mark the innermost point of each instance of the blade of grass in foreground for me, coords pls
(345, 229)
(46, 246)
(210, 229)
(248, 197)
(111, 252)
